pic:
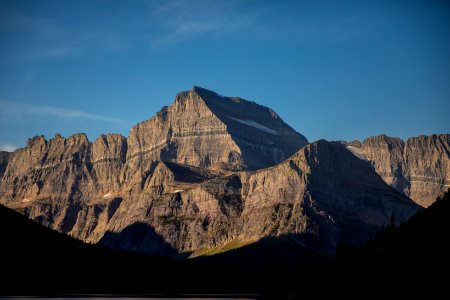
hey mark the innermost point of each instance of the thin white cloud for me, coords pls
(13, 21)
(166, 23)
(8, 147)
(74, 44)
(49, 39)
(187, 19)
(9, 109)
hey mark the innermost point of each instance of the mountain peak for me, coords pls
(175, 175)
(204, 129)
(196, 88)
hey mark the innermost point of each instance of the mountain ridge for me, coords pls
(204, 173)
(419, 167)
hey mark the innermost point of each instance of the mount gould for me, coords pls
(211, 173)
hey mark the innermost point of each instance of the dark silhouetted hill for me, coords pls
(402, 262)
(406, 261)
(36, 260)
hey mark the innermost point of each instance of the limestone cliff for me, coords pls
(206, 174)
(419, 167)
(319, 196)
(206, 130)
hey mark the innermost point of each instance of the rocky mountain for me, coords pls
(206, 174)
(207, 130)
(419, 167)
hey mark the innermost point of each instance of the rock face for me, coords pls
(206, 174)
(418, 168)
(4, 157)
(207, 130)
(319, 196)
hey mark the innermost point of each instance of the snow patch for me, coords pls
(177, 191)
(357, 152)
(254, 125)
(26, 200)
(8, 148)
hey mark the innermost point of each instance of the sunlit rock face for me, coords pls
(204, 129)
(321, 195)
(205, 174)
(419, 167)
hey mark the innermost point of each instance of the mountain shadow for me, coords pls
(405, 261)
(271, 266)
(140, 238)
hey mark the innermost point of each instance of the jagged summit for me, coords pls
(197, 88)
(203, 129)
(418, 167)
(305, 199)
(209, 170)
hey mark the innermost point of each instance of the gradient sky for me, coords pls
(339, 70)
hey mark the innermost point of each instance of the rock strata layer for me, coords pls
(206, 174)
(418, 168)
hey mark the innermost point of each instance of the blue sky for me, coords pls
(339, 70)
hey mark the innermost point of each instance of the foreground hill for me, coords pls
(408, 261)
(37, 260)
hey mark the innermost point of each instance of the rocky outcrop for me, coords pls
(68, 183)
(419, 167)
(318, 197)
(204, 129)
(262, 137)
(323, 195)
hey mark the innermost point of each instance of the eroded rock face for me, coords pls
(84, 188)
(262, 137)
(321, 195)
(206, 130)
(58, 182)
(185, 182)
(419, 167)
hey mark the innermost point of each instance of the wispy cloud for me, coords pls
(303, 22)
(338, 28)
(186, 19)
(13, 21)
(310, 25)
(9, 109)
(49, 39)
(74, 44)
(30, 36)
